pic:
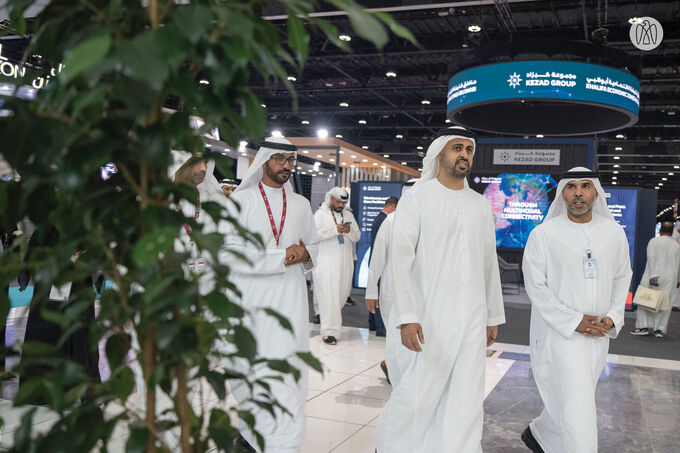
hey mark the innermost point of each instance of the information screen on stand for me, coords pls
(519, 202)
(368, 199)
(622, 204)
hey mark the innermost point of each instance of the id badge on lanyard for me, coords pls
(341, 239)
(589, 265)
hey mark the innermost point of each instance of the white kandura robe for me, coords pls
(663, 261)
(567, 364)
(446, 278)
(334, 270)
(270, 284)
(380, 268)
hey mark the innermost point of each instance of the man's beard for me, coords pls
(279, 177)
(579, 212)
(338, 208)
(457, 173)
(198, 178)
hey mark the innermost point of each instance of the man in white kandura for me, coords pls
(337, 232)
(448, 293)
(275, 280)
(577, 275)
(662, 272)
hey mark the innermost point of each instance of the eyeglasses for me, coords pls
(280, 159)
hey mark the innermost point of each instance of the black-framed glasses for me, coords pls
(280, 159)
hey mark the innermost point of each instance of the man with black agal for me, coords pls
(577, 275)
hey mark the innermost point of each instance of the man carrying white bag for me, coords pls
(662, 274)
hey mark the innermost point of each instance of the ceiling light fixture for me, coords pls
(204, 82)
(403, 163)
(616, 172)
(291, 78)
(344, 104)
(616, 166)
(304, 151)
(345, 38)
(618, 148)
(634, 20)
(399, 136)
(391, 74)
(616, 158)
(620, 136)
(322, 133)
(364, 160)
(447, 120)
(425, 102)
(419, 147)
(338, 136)
(277, 133)
(362, 121)
(474, 28)
(539, 136)
(319, 156)
(353, 156)
(304, 122)
(386, 155)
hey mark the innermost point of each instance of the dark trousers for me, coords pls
(375, 321)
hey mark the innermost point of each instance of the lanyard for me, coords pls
(277, 235)
(588, 249)
(197, 212)
(342, 217)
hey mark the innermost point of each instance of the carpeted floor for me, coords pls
(516, 329)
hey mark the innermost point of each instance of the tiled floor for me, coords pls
(638, 400)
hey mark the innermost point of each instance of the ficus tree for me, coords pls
(124, 80)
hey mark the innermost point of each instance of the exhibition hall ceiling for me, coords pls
(391, 102)
(394, 101)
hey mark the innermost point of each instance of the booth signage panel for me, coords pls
(556, 80)
(370, 200)
(526, 156)
(622, 203)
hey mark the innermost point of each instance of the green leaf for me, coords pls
(85, 54)
(284, 367)
(364, 22)
(221, 306)
(139, 436)
(282, 319)
(396, 28)
(117, 347)
(332, 33)
(245, 342)
(166, 333)
(298, 39)
(310, 360)
(218, 382)
(192, 21)
(149, 246)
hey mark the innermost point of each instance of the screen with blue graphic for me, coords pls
(519, 202)
(622, 203)
(558, 80)
(368, 199)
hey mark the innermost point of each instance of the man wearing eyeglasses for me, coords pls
(272, 278)
(337, 231)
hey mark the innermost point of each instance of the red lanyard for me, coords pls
(197, 212)
(277, 235)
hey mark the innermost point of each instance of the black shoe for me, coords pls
(242, 445)
(658, 334)
(330, 340)
(383, 367)
(350, 302)
(380, 333)
(640, 332)
(676, 308)
(531, 442)
(316, 319)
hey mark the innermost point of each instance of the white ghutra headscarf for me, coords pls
(271, 146)
(559, 207)
(431, 163)
(209, 189)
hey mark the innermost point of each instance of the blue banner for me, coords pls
(558, 80)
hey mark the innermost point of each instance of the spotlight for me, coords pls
(345, 38)
(277, 133)
(474, 28)
(322, 133)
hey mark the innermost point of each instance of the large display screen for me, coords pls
(558, 80)
(622, 204)
(368, 199)
(519, 202)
